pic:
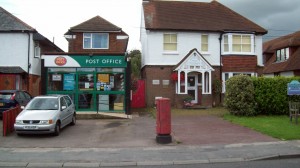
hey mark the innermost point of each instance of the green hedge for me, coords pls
(270, 95)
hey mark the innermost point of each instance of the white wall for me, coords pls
(153, 53)
(259, 50)
(287, 74)
(14, 52)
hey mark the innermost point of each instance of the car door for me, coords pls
(64, 112)
(71, 108)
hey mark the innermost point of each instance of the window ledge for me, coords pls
(170, 53)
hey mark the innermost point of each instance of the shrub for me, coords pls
(239, 96)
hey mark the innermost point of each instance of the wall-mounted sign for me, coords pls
(155, 82)
(69, 81)
(293, 88)
(60, 61)
(84, 61)
(56, 77)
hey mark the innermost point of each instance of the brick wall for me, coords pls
(239, 63)
(115, 45)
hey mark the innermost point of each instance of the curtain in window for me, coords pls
(204, 43)
(170, 42)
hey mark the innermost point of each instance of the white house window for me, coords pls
(170, 42)
(282, 54)
(238, 44)
(204, 43)
(95, 40)
(37, 50)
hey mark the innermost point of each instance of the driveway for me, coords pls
(139, 132)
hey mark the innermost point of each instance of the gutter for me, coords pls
(28, 60)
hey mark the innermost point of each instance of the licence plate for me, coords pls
(30, 127)
(1, 104)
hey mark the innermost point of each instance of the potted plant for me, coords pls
(187, 101)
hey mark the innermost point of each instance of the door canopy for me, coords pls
(194, 62)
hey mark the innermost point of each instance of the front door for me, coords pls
(192, 87)
(85, 91)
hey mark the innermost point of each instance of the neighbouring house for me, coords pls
(192, 48)
(95, 71)
(20, 51)
(282, 56)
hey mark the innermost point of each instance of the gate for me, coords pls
(138, 96)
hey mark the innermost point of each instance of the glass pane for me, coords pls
(191, 81)
(287, 53)
(55, 82)
(69, 81)
(62, 69)
(170, 47)
(204, 39)
(173, 38)
(236, 39)
(116, 102)
(226, 39)
(236, 48)
(85, 69)
(246, 47)
(86, 42)
(167, 38)
(86, 81)
(246, 39)
(85, 101)
(204, 47)
(226, 47)
(110, 82)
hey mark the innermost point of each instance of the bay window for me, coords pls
(238, 44)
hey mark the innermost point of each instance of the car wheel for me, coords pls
(73, 120)
(57, 129)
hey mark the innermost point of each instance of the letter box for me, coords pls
(163, 121)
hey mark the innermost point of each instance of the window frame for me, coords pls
(91, 40)
(170, 42)
(228, 44)
(282, 54)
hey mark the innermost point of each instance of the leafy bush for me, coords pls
(271, 95)
(239, 96)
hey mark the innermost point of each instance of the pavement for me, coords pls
(131, 142)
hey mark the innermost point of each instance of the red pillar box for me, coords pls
(163, 121)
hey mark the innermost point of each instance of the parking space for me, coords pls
(139, 132)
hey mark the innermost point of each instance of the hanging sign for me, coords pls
(293, 88)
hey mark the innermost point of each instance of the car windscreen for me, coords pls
(43, 104)
(6, 96)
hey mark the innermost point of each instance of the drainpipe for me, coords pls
(28, 61)
(220, 39)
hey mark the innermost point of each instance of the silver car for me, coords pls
(46, 114)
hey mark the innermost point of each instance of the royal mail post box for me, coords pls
(163, 120)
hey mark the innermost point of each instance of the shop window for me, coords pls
(61, 82)
(86, 81)
(110, 82)
(112, 102)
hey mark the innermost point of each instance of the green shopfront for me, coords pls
(95, 83)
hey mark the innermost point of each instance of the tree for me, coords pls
(135, 56)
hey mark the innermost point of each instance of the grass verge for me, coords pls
(275, 126)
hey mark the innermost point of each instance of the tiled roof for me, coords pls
(11, 69)
(293, 63)
(9, 22)
(195, 16)
(94, 24)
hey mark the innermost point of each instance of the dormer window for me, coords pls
(95, 40)
(282, 54)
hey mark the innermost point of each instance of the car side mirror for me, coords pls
(63, 107)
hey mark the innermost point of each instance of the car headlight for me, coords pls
(19, 121)
(46, 122)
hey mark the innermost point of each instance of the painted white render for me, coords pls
(14, 52)
(287, 74)
(153, 53)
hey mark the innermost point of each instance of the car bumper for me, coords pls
(34, 129)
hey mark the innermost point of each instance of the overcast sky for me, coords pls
(53, 18)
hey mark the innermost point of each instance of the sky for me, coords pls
(53, 18)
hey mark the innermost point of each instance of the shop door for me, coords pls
(85, 94)
(192, 88)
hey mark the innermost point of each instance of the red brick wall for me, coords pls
(160, 73)
(150, 73)
(115, 45)
(239, 63)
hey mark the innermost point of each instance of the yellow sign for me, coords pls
(103, 78)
